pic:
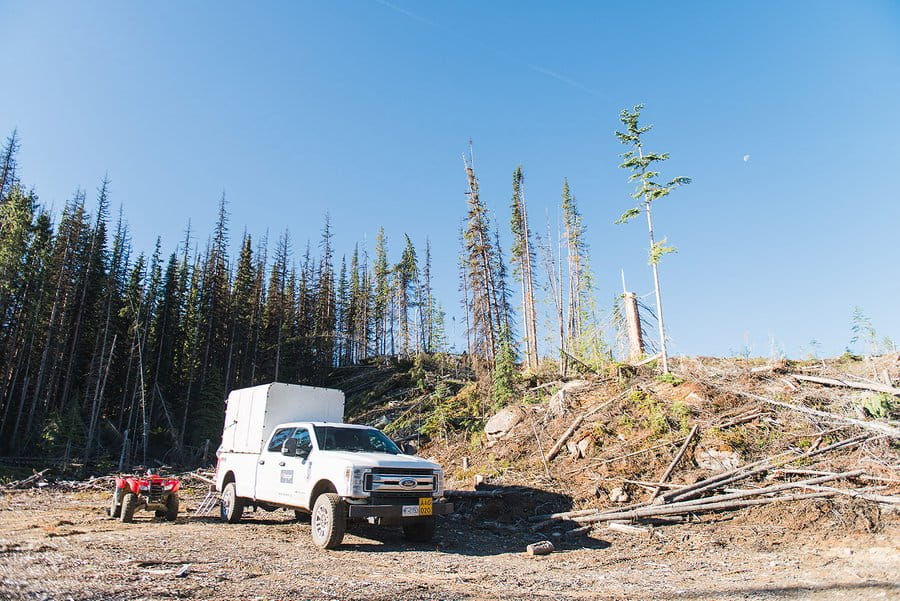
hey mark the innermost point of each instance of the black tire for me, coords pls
(420, 531)
(329, 521)
(129, 506)
(301, 516)
(115, 506)
(232, 506)
(172, 505)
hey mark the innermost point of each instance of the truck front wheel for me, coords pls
(420, 531)
(329, 521)
(232, 506)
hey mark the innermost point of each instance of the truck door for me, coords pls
(268, 472)
(283, 478)
(300, 466)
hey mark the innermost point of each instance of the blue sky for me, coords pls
(363, 108)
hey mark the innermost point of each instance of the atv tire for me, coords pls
(172, 505)
(329, 521)
(129, 506)
(115, 506)
(231, 507)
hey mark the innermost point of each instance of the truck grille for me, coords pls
(399, 481)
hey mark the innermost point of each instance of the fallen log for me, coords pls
(742, 420)
(874, 386)
(29, 482)
(746, 471)
(874, 426)
(767, 490)
(200, 477)
(674, 463)
(627, 528)
(886, 499)
(659, 510)
(642, 362)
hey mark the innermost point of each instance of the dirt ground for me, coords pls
(60, 545)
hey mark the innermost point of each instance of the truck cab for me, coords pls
(332, 470)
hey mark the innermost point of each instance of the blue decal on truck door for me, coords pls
(287, 476)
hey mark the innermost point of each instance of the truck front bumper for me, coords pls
(395, 512)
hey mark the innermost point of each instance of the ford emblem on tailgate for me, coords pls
(408, 483)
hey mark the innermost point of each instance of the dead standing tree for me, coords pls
(480, 274)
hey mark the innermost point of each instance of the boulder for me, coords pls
(559, 402)
(618, 495)
(716, 459)
(502, 422)
(586, 446)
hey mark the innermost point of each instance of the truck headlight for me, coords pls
(356, 477)
(438, 483)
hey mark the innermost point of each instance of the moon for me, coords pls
(746, 157)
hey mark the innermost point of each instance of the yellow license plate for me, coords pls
(425, 506)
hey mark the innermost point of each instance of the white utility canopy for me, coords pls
(251, 414)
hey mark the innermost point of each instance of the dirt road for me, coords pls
(56, 545)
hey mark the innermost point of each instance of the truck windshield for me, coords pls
(359, 440)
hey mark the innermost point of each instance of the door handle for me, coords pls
(262, 461)
(281, 463)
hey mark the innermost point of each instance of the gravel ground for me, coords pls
(58, 545)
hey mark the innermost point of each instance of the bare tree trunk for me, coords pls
(664, 356)
(98, 396)
(633, 321)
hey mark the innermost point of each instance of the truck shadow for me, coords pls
(491, 521)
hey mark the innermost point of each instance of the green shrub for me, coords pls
(881, 405)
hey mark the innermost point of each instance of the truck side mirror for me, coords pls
(289, 447)
(409, 449)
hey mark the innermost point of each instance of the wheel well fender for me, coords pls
(229, 477)
(321, 487)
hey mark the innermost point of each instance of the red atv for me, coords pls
(151, 492)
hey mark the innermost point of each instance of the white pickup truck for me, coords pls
(286, 446)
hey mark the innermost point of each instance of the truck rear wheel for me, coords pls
(232, 506)
(172, 505)
(420, 531)
(129, 506)
(329, 521)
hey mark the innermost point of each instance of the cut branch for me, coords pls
(668, 473)
(874, 386)
(874, 426)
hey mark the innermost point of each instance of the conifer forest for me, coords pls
(112, 354)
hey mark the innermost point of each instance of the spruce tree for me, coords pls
(522, 259)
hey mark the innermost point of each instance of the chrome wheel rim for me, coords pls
(227, 499)
(320, 519)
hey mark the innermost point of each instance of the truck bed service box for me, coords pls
(252, 413)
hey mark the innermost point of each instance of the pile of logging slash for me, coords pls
(716, 493)
(35, 480)
(99, 483)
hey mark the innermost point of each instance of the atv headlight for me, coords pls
(356, 477)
